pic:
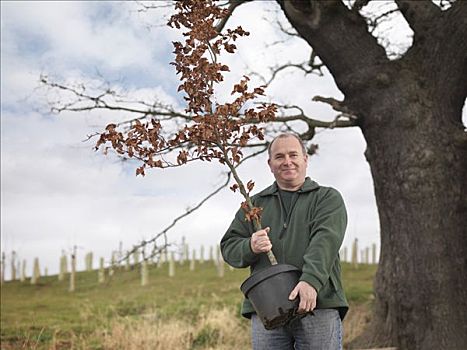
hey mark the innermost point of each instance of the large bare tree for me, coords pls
(409, 109)
(410, 113)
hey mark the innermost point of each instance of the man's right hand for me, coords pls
(260, 242)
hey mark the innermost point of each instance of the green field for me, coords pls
(120, 311)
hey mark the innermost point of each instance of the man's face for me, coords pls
(288, 163)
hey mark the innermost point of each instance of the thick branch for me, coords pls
(314, 123)
(448, 61)
(340, 38)
(420, 15)
(337, 105)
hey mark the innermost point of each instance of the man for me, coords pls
(304, 225)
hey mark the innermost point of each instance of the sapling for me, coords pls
(218, 131)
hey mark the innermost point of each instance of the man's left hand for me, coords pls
(307, 295)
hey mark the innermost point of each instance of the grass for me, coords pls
(122, 314)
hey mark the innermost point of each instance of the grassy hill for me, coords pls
(193, 310)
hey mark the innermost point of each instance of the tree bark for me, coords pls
(410, 115)
(419, 172)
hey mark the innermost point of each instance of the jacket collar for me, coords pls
(308, 186)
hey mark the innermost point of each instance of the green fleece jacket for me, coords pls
(308, 237)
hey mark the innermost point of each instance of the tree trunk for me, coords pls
(419, 162)
(410, 114)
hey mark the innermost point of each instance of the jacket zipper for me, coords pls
(287, 215)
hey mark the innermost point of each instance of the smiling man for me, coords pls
(304, 225)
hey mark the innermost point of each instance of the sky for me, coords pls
(57, 192)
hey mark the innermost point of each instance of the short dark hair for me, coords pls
(283, 136)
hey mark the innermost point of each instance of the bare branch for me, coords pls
(86, 102)
(290, 32)
(308, 67)
(164, 232)
(144, 6)
(374, 22)
(157, 249)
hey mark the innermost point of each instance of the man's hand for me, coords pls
(260, 242)
(307, 296)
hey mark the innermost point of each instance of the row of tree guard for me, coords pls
(120, 260)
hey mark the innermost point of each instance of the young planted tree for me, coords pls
(216, 131)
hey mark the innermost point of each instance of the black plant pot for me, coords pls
(268, 291)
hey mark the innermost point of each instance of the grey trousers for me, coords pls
(321, 331)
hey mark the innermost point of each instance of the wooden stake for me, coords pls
(193, 260)
(171, 265)
(13, 265)
(373, 254)
(23, 271)
(2, 272)
(201, 255)
(73, 270)
(144, 273)
(355, 253)
(101, 272)
(36, 272)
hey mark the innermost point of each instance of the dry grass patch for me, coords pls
(355, 322)
(218, 329)
(214, 329)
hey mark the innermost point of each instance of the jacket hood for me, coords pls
(308, 186)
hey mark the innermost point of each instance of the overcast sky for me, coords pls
(56, 192)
